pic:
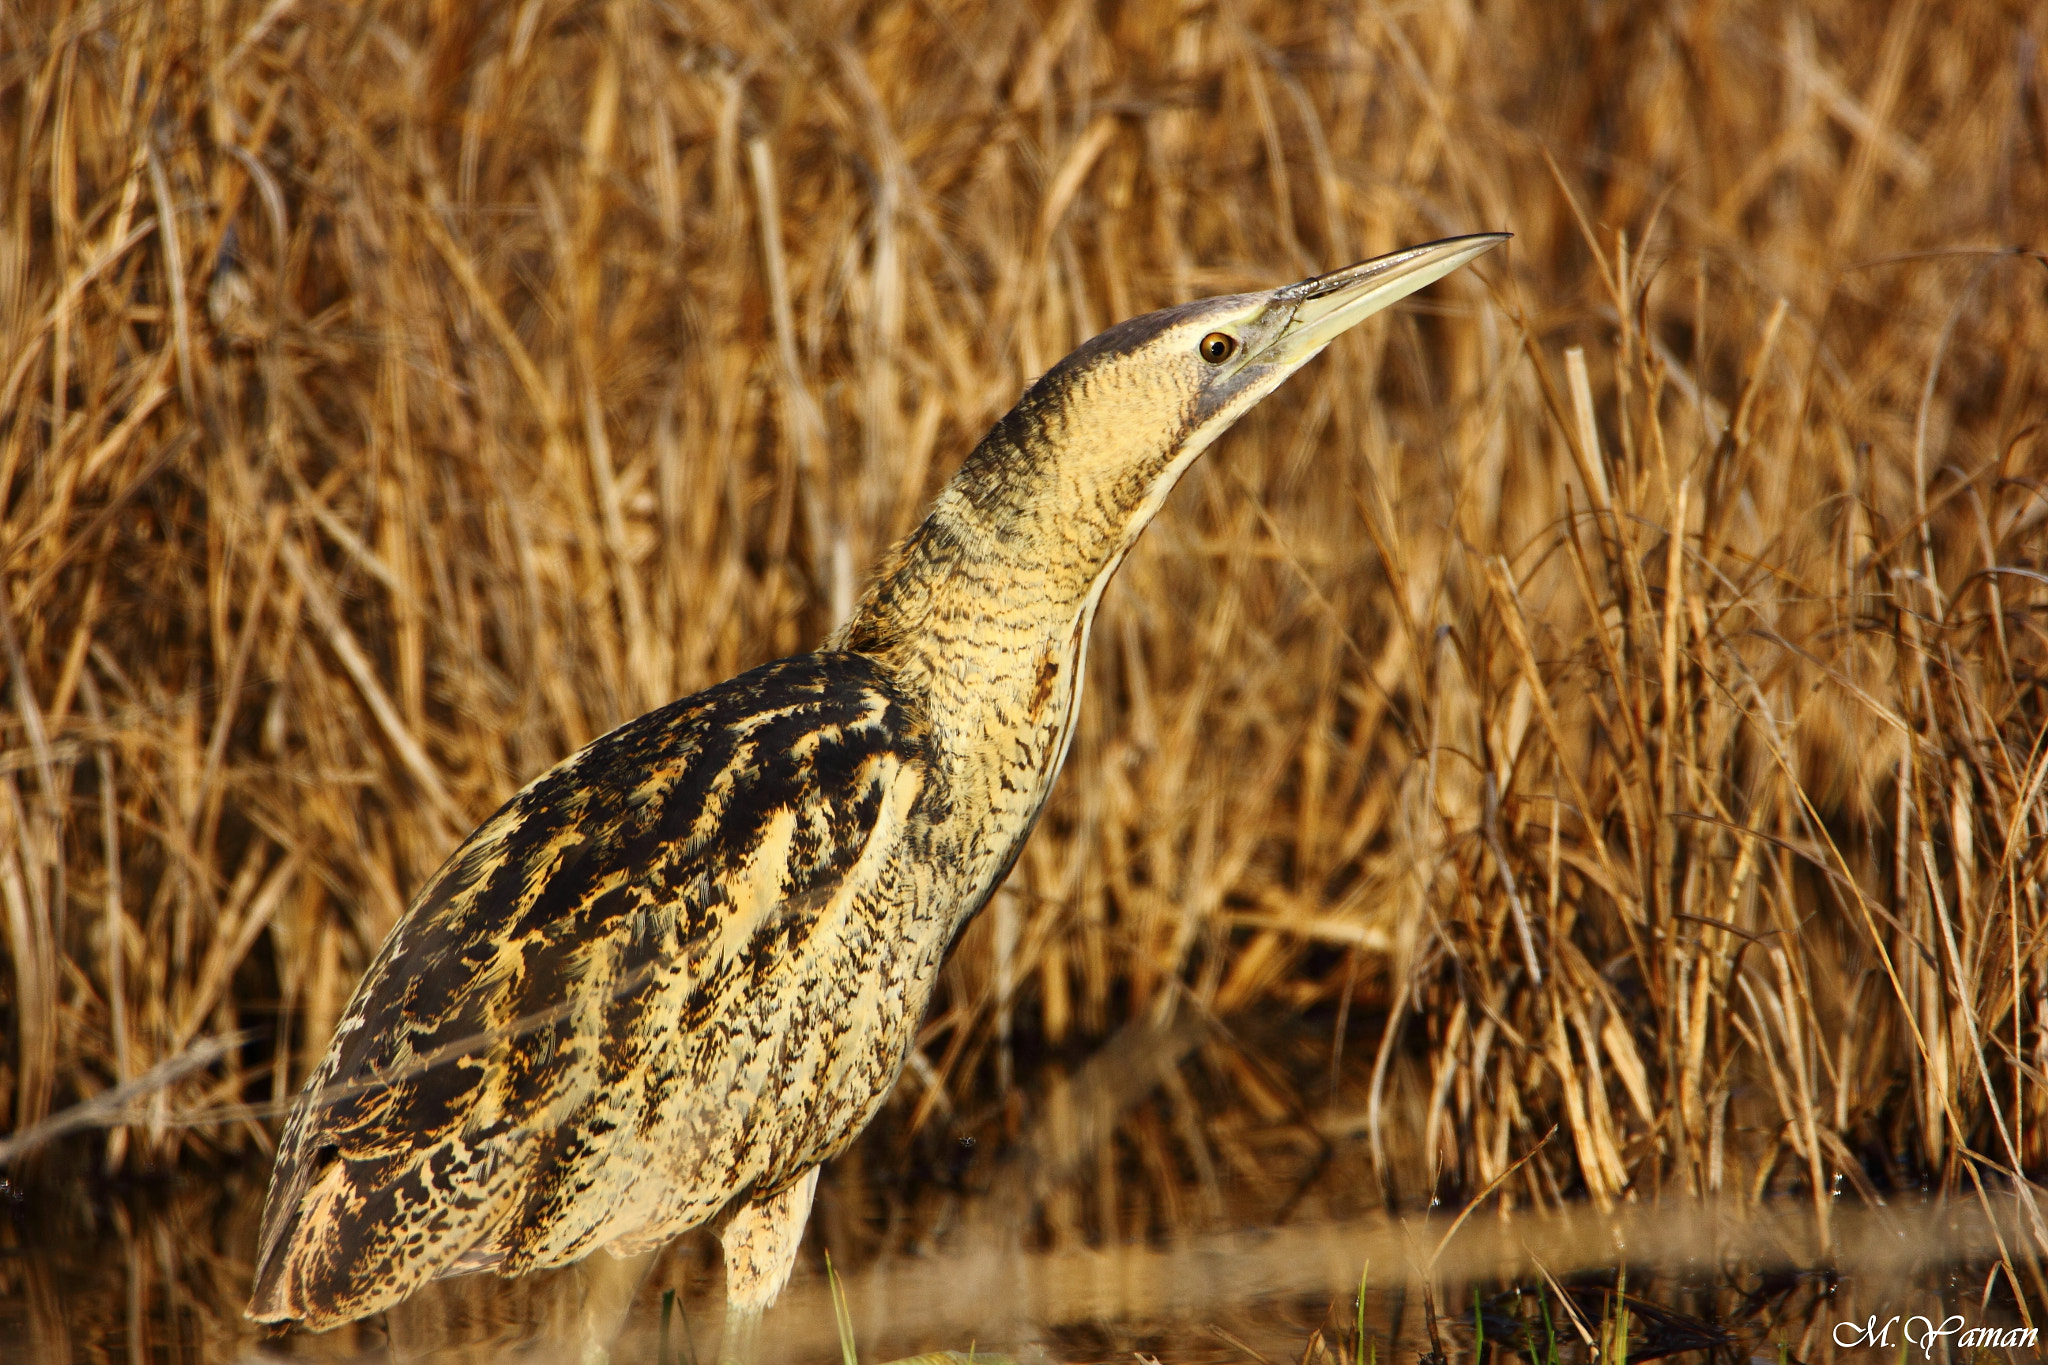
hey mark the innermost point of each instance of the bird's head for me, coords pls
(1041, 513)
(1102, 437)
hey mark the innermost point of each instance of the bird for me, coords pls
(681, 969)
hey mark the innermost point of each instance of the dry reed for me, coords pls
(1622, 673)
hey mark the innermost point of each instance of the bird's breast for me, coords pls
(1006, 727)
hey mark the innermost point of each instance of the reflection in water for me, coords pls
(162, 1274)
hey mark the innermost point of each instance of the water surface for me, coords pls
(158, 1272)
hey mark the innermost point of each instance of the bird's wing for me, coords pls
(567, 974)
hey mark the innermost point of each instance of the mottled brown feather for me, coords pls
(685, 966)
(587, 984)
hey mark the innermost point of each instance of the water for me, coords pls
(1122, 1211)
(159, 1272)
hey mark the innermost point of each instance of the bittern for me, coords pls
(682, 968)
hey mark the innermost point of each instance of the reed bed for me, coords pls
(1608, 696)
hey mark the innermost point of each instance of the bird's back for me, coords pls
(681, 967)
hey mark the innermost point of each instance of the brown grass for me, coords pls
(1624, 672)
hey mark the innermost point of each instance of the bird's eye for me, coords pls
(1218, 347)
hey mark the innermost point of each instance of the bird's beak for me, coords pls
(1328, 304)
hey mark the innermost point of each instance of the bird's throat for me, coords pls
(987, 625)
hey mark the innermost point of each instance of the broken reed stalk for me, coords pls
(390, 402)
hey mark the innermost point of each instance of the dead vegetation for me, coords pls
(1622, 672)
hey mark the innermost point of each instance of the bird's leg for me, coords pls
(741, 1342)
(605, 1287)
(760, 1244)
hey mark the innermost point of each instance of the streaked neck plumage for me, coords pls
(983, 611)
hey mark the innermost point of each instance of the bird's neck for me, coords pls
(983, 612)
(985, 622)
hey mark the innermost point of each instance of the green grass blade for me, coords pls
(841, 1314)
